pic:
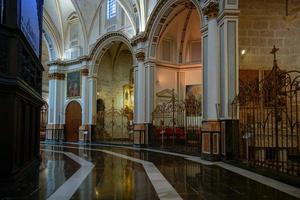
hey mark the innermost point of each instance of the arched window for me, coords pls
(111, 9)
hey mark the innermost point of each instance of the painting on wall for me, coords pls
(193, 91)
(73, 84)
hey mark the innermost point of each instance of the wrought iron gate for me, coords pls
(114, 126)
(269, 128)
(177, 125)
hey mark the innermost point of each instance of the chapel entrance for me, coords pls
(176, 46)
(114, 123)
(73, 121)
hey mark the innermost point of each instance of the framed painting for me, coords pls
(193, 91)
(73, 84)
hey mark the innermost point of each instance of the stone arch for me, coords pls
(102, 45)
(158, 16)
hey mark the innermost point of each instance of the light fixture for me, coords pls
(98, 93)
(243, 52)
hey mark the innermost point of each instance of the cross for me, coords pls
(274, 51)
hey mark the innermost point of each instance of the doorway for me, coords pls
(73, 121)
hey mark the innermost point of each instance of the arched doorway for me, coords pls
(115, 95)
(73, 121)
(176, 49)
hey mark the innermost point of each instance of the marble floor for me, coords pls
(71, 171)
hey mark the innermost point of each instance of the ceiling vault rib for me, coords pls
(187, 19)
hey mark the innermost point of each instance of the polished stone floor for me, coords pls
(110, 172)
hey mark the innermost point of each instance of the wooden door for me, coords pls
(73, 121)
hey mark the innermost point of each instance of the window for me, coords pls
(111, 11)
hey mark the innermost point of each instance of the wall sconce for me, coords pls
(243, 52)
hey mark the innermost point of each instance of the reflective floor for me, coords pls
(114, 177)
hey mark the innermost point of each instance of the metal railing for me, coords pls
(177, 125)
(269, 128)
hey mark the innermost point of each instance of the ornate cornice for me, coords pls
(68, 62)
(211, 10)
(140, 56)
(84, 72)
(56, 76)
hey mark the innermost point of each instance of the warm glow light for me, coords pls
(243, 52)
(98, 93)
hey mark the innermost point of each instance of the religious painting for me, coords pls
(73, 84)
(193, 92)
(193, 96)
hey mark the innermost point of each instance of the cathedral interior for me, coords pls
(150, 99)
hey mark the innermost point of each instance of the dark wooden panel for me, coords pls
(73, 121)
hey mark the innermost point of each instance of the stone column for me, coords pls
(149, 101)
(92, 104)
(229, 55)
(140, 86)
(140, 125)
(55, 127)
(83, 129)
(211, 83)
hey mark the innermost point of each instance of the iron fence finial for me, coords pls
(274, 51)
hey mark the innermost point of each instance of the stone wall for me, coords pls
(264, 23)
(111, 79)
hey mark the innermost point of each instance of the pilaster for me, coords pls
(211, 81)
(55, 127)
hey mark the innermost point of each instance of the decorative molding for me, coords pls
(56, 76)
(211, 10)
(68, 62)
(29, 71)
(140, 56)
(3, 55)
(84, 72)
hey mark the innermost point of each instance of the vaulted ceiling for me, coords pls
(57, 12)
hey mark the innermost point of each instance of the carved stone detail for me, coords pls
(211, 10)
(84, 72)
(140, 56)
(56, 76)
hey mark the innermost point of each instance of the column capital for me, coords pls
(211, 10)
(140, 56)
(56, 76)
(84, 72)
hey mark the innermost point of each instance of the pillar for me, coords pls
(211, 83)
(55, 126)
(228, 31)
(92, 104)
(84, 128)
(140, 124)
(149, 101)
